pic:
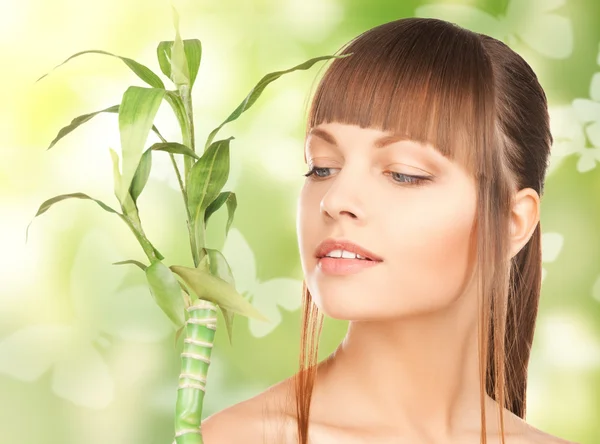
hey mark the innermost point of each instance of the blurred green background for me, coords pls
(86, 356)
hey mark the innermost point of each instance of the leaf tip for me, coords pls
(264, 318)
(175, 16)
(27, 232)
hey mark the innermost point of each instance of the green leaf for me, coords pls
(140, 70)
(166, 291)
(207, 177)
(255, 92)
(163, 53)
(219, 267)
(143, 172)
(157, 253)
(141, 175)
(132, 261)
(174, 148)
(174, 99)
(193, 55)
(214, 289)
(231, 206)
(138, 108)
(48, 203)
(116, 173)
(186, 297)
(228, 316)
(128, 206)
(77, 121)
(225, 196)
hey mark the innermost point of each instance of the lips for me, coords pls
(343, 267)
(331, 244)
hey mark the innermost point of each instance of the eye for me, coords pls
(316, 172)
(319, 173)
(408, 179)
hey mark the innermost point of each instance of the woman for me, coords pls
(427, 149)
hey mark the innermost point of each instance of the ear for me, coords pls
(524, 217)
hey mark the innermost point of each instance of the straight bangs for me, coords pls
(433, 87)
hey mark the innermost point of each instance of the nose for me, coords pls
(343, 198)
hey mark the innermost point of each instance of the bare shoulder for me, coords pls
(234, 424)
(257, 420)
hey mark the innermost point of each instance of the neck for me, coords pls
(418, 373)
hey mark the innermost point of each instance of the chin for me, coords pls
(342, 306)
(349, 307)
(358, 307)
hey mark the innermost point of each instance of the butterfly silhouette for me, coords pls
(266, 296)
(530, 21)
(104, 305)
(588, 113)
(567, 133)
(576, 129)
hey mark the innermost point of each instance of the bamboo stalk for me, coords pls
(200, 331)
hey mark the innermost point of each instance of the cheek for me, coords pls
(431, 254)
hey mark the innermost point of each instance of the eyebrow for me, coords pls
(379, 143)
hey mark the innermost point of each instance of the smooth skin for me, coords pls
(407, 369)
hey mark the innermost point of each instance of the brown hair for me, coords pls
(478, 103)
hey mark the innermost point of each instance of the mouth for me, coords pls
(358, 257)
(341, 266)
(344, 250)
(347, 258)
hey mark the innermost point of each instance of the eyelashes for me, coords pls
(408, 179)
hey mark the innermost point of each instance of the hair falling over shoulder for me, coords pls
(479, 103)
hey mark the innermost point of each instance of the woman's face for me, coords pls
(424, 232)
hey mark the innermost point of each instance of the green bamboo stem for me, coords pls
(201, 325)
(189, 137)
(189, 141)
(200, 236)
(186, 122)
(186, 98)
(182, 187)
(195, 359)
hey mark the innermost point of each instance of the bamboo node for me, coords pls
(197, 342)
(202, 305)
(201, 321)
(185, 431)
(190, 385)
(192, 376)
(196, 356)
